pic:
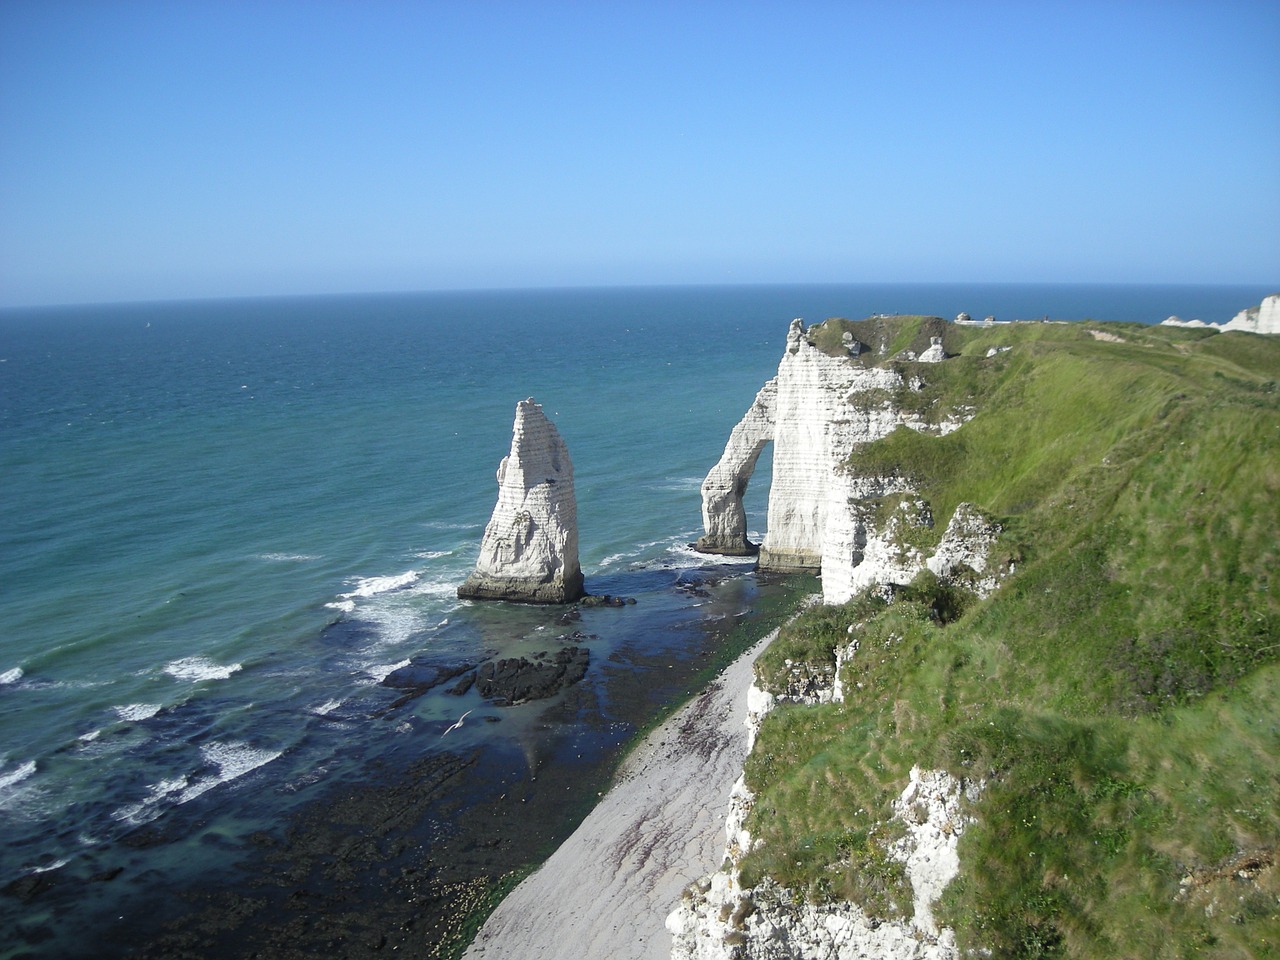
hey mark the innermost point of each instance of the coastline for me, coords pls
(606, 891)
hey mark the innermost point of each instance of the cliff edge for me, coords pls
(1035, 716)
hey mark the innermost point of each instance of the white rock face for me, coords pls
(815, 430)
(719, 919)
(934, 353)
(822, 512)
(723, 516)
(1264, 318)
(806, 410)
(967, 543)
(530, 548)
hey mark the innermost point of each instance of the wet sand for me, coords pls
(606, 892)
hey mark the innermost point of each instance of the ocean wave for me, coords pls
(326, 708)
(138, 711)
(152, 805)
(199, 668)
(14, 777)
(393, 605)
(432, 554)
(373, 586)
(381, 671)
(289, 557)
(678, 483)
(231, 761)
(11, 676)
(89, 737)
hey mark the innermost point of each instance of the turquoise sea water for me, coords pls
(223, 524)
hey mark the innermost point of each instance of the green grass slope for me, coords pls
(1118, 695)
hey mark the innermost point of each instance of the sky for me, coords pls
(180, 149)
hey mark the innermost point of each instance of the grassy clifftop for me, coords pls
(1118, 695)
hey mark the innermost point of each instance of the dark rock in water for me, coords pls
(463, 685)
(604, 600)
(694, 589)
(28, 887)
(517, 680)
(419, 678)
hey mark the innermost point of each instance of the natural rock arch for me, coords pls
(724, 518)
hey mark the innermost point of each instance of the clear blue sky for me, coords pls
(224, 148)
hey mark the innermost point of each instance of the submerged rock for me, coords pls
(530, 548)
(517, 680)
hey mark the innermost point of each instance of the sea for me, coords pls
(231, 532)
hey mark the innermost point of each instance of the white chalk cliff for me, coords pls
(530, 548)
(1264, 318)
(719, 919)
(817, 411)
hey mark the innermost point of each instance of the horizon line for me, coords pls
(550, 288)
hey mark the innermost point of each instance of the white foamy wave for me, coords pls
(346, 606)
(150, 806)
(289, 557)
(138, 711)
(52, 866)
(230, 760)
(372, 586)
(326, 708)
(89, 737)
(199, 668)
(445, 586)
(678, 483)
(11, 676)
(233, 760)
(11, 778)
(432, 554)
(381, 671)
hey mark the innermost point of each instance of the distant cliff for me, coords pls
(1036, 716)
(1264, 319)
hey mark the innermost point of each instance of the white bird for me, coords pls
(456, 725)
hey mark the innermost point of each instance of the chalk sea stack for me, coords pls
(529, 552)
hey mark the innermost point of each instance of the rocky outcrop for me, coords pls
(530, 548)
(719, 919)
(964, 554)
(517, 680)
(1264, 318)
(815, 430)
(817, 411)
(723, 516)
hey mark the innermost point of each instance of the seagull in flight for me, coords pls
(456, 725)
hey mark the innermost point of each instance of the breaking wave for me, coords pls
(199, 668)
(371, 587)
(230, 761)
(138, 711)
(16, 776)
